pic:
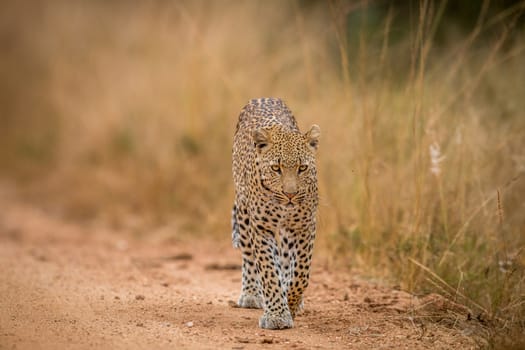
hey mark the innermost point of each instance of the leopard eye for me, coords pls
(276, 168)
(302, 168)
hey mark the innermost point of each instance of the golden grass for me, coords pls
(118, 109)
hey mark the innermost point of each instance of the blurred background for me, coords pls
(123, 113)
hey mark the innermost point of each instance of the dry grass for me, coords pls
(112, 109)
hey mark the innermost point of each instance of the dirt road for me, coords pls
(66, 286)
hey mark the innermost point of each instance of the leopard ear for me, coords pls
(262, 140)
(312, 137)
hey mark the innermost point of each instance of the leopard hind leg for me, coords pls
(251, 290)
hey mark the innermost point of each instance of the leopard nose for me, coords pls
(290, 195)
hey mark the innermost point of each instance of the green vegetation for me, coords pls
(112, 109)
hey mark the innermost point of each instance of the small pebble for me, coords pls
(140, 297)
(267, 341)
(189, 324)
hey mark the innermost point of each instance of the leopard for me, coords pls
(275, 207)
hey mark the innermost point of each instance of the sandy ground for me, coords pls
(64, 286)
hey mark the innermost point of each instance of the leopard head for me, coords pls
(286, 163)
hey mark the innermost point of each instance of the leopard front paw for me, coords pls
(279, 321)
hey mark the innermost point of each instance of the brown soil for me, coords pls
(67, 286)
